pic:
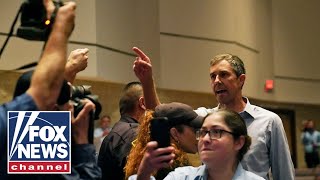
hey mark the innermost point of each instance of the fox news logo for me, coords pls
(39, 142)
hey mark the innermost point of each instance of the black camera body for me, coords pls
(83, 92)
(78, 93)
(34, 22)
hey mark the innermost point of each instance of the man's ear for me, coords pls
(242, 79)
(142, 103)
(174, 134)
(238, 143)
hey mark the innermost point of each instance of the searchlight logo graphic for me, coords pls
(39, 142)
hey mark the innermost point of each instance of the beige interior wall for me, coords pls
(122, 25)
(296, 50)
(295, 35)
(192, 35)
(20, 52)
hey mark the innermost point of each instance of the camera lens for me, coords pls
(80, 91)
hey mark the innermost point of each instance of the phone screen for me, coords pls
(160, 131)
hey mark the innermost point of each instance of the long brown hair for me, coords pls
(139, 147)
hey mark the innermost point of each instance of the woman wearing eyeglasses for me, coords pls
(222, 142)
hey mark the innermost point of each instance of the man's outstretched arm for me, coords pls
(142, 67)
(48, 76)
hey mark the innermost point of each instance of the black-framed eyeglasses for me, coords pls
(213, 133)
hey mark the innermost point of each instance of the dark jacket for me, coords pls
(116, 147)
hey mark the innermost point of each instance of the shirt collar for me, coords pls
(202, 173)
(248, 109)
(128, 119)
(239, 172)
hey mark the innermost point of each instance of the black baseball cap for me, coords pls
(24, 82)
(179, 113)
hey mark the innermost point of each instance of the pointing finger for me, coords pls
(140, 53)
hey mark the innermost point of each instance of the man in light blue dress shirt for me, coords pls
(269, 149)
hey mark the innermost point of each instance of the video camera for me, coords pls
(81, 92)
(34, 22)
(73, 93)
(78, 93)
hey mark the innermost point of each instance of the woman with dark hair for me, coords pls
(222, 142)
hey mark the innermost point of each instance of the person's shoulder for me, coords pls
(264, 112)
(242, 174)
(186, 168)
(202, 111)
(318, 132)
(251, 176)
(261, 109)
(188, 171)
(124, 130)
(23, 102)
(124, 126)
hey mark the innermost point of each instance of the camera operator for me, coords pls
(83, 154)
(46, 83)
(83, 162)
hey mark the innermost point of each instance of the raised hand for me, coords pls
(142, 66)
(77, 61)
(143, 69)
(154, 159)
(65, 18)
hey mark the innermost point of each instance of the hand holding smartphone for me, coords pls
(160, 131)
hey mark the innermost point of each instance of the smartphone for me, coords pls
(160, 131)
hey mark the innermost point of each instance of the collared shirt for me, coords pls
(200, 173)
(269, 146)
(310, 141)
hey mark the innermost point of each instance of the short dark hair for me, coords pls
(24, 82)
(235, 62)
(130, 96)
